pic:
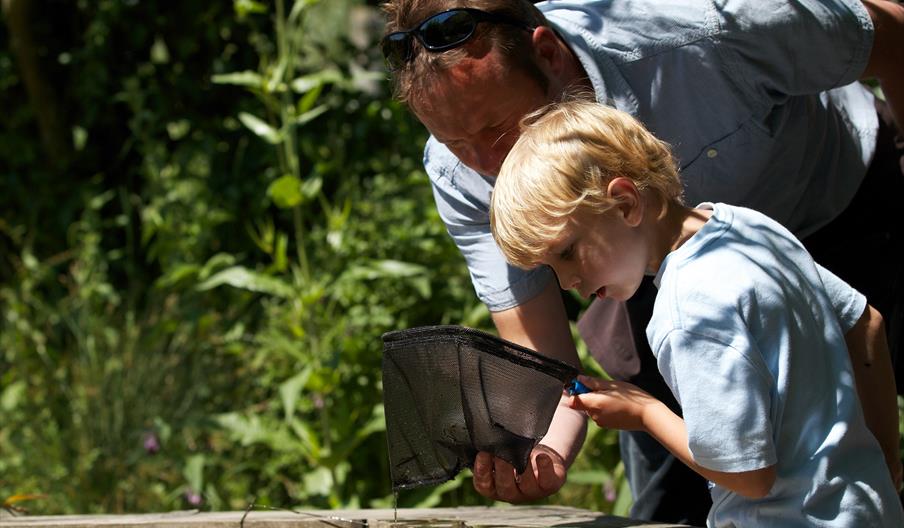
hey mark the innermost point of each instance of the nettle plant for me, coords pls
(353, 248)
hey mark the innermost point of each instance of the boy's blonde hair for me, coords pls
(563, 162)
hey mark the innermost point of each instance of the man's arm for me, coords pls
(542, 325)
(887, 56)
(876, 385)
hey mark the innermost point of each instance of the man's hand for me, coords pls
(496, 479)
(614, 404)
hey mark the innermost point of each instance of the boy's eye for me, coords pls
(567, 253)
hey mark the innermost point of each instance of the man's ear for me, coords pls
(630, 202)
(549, 51)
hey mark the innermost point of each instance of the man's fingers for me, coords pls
(505, 481)
(484, 481)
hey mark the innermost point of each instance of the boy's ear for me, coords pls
(630, 203)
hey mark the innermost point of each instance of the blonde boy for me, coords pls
(749, 333)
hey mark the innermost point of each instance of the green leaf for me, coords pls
(306, 83)
(243, 8)
(11, 396)
(291, 389)
(261, 128)
(159, 52)
(319, 481)
(194, 472)
(298, 8)
(79, 138)
(310, 115)
(311, 187)
(177, 274)
(243, 78)
(307, 438)
(286, 192)
(245, 279)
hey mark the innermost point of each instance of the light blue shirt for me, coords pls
(748, 333)
(738, 87)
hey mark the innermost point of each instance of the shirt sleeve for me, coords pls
(777, 48)
(725, 397)
(462, 200)
(847, 303)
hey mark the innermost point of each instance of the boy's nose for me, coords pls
(569, 282)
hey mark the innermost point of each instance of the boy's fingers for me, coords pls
(593, 383)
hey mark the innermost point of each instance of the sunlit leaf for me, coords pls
(311, 187)
(12, 396)
(159, 52)
(79, 138)
(291, 389)
(194, 472)
(310, 115)
(243, 78)
(245, 279)
(261, 128)
(243, 8)
(298, 8)
(286, 192)
(318, 481)
(177, 274)
(306, 83)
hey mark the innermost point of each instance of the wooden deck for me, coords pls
(473, 517)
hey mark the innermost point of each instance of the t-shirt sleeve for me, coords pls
(725, 396)
(847, 303)
(775, 49)
(465, 212)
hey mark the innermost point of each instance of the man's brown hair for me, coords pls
(410, 80)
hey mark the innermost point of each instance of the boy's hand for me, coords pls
(496, 479)
(613, 404)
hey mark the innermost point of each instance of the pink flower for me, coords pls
(193, 497)
(151, 443)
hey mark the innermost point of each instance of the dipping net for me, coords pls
(450, 392)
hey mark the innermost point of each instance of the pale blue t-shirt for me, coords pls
(737, 87)
(748, 333)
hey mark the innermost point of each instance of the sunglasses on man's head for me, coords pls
(440, 32)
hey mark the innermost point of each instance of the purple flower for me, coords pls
(318, 401)
(151, 443)
(193, 497)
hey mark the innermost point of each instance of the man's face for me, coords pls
(474, 109)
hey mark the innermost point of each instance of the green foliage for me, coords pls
(193, 299)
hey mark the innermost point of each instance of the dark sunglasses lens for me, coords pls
(395, 49)
(447, 29)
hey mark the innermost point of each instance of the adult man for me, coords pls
(739, 89)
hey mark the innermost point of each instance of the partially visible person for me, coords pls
(761, 102)
(750, 334)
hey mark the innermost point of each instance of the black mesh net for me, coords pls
(450, 392)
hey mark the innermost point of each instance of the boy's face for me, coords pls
(600, 254)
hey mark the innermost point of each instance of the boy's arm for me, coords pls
(875, 381)
(620, 405)
(887, 54)
(540, 324)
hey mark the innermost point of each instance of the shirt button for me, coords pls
(712, 153)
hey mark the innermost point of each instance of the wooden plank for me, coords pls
(471, 517)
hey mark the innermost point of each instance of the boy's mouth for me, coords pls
(601, 293)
